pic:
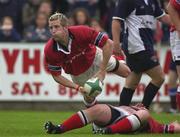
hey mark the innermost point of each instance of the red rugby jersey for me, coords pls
(176, 5)
(80, 54)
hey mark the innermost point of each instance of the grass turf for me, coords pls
(30, 124)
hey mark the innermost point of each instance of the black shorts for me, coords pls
(142, 61)
(177, 62)
(172, 66)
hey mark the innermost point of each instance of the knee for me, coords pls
(93, 112)
(123, 70)
(131, 85)
(159, 80)
(98, 109)
(126, 72)
(143, 115)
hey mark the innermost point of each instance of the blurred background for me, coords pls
(24, 82)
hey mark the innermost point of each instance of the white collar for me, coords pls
(146, 1)
(59, 47)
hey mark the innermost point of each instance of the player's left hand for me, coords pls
(82, 90)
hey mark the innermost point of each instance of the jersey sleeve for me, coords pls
(123, 9)
(93, 37)
(175, 4)
(52, 68)
(158, 12)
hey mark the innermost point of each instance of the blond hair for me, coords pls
(61, 17)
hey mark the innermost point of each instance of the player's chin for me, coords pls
(55, 38)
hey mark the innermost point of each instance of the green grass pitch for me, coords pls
(30, 124)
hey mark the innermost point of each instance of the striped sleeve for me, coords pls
(100, 39)
(176, 4)
(89, 35)
(53, 68)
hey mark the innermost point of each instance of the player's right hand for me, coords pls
(82, 90)
(117, 50)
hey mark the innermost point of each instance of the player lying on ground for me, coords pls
(109, 119)
(81, 52)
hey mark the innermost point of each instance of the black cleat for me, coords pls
(51, 128)
(102, 131)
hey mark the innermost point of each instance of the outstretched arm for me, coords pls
(67, 83)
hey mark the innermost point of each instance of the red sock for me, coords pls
(169, 128)
(122, 126)
(155, 127)
(126, 125)
(77, 120)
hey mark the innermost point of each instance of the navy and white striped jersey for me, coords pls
(139, 17)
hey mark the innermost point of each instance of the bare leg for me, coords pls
(130, 123)
(100, 114)
(172, 88)
(157, 75)
(123, 70)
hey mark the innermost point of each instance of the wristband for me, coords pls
(77, 87)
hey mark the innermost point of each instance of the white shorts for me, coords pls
(82, 78)
(175, 45)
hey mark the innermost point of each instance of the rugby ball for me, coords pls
(93, 87)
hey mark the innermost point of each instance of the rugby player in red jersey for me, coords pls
(174, 12)
(108, 119)
(81, 52)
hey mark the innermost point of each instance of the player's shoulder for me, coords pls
(177, 1)
(125, 2)
(79, 28)
(176, 4)
(48, 46)
(80, 32)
